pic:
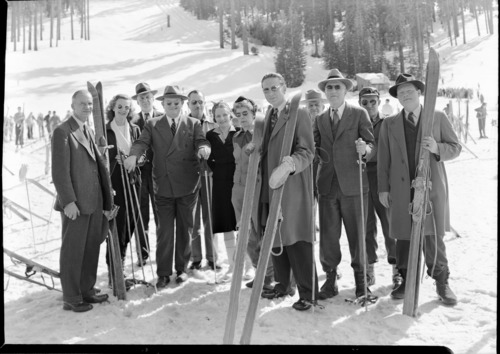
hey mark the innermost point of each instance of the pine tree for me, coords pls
(291, 58)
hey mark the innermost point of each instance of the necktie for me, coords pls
(411, 118)
(146, 117)
(274, 118)
(86, 132)
(173, 127)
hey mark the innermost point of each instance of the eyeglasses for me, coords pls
(272, 88)
(365, 102)
(244, 114)
(331, 87)
(200, 102)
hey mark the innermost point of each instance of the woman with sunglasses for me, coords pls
(221, 162)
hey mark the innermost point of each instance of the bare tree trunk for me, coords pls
(244, 31)
(35, 16)
(420, 42)
(401, 57)
(14, 24)
(315, 32)
(463, 19)
(58, 20)
(474, 9)
(448, 23)
(455, 20)
(41, 23)
(88, 20)
(19, 14)
(72, 8)
(29, 12)
(23, 14)
(82, 18)
(51, 21)
(221, 23)
(233, 25)
(486, 19)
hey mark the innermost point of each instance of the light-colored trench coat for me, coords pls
(394, 177)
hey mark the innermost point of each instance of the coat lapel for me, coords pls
(282, 119)
(398, 134)
(326, 124)
(164, 129)
(78, 134)
(179, 134)
(345, 121)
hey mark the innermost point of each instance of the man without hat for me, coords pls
(369, 99)
(340, 134)
(177, 142)
(145, 99)
(399, 145)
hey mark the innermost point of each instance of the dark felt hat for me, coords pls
(335, 75)
(369, 91)
(406, 79)
(141, 88)
(172, 92)
(313, 94)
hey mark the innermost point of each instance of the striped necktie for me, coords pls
(411, 118)
(173, 127)
(274, 118)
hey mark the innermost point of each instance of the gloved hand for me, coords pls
(249, 148)
(281, 173)
(203, 152)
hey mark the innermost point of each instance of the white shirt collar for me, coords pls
(416, 113)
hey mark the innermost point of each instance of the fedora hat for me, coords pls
(369, 91)
(313, 94)
(406, 79)
(172, 92)
(141, 88)
(335, 75)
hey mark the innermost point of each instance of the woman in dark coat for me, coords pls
(222, 164)
(121, 134)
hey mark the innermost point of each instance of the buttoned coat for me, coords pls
(339, 154)
(176, 168)
(78, 170)
(297, 200)
(394, 177)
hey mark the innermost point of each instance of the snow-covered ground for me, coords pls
(131, 43)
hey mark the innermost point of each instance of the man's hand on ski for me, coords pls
(385, 199)
(281, 173)
(430, 144)
(130, 163)
(71, 211)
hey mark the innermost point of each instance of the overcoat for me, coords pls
(338, 154)
(176, 168)
(78, 169)
(297, 200)
(394, 177)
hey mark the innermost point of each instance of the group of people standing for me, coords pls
(164, 154)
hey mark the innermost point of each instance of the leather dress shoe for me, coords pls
(96, 299)
(79, 307)
(274, 294)
(302, 305)
(195, 265)
(181, 277)
(162, 281)
(211, 265)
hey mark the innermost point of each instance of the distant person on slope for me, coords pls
(19, 123)
(481, 113)
(387, 109)
(397, 158)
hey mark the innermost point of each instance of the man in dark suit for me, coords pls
(84, 199)
(177, 142)
(145, 99)
(340, 134)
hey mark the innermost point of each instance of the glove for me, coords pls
(281, 173)
(203, 152)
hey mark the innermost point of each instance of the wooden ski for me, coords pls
(31, 266)
(422, 185)
(271, 226)
(116, 269)
(245, 225)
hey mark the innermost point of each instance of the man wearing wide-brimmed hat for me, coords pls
(145, 99)
(340, 134)
(177, 142)
(314, 102)
(399, 146)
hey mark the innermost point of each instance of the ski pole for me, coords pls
(363, 240)
(22, 177)
(204, 167)
(127, 211)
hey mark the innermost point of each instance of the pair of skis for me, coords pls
(115, 267)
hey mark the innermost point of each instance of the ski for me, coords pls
(271, 225)
(116, 270)
(31, 266)
(420, 205)
(245, 225)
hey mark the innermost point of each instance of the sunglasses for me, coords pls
(272, 88)
(200, 102)
(365, 102)
(331, 87)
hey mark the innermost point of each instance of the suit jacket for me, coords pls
(139, 120)
(394, 177)
(176, 168)
(297, 201)
(78, 169)
(339, 154)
